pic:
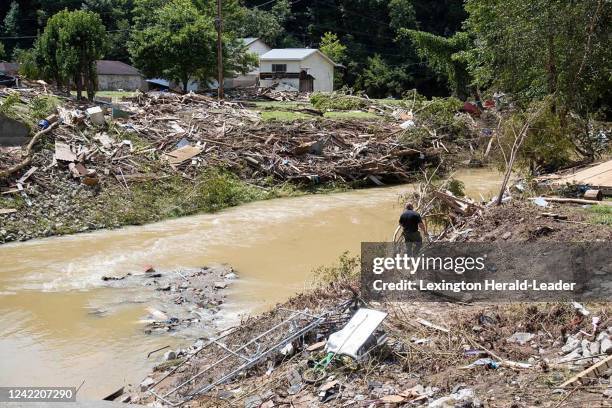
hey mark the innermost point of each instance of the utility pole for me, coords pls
(219, 24)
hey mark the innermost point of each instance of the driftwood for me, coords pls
(28, 152)
(575, 201)
(519, 138)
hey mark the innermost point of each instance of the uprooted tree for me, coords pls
(69, 47)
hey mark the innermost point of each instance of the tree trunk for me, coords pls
(90, 83)
(78, 80)
(185, 83)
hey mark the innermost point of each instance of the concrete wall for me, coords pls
(12, 132)
(321, 70)
(125, 82)
(249, 79)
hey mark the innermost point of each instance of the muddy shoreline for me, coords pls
(436, 354)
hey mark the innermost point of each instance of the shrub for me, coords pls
(43, 106)
(336, 101)
(345, 271)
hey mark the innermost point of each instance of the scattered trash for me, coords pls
(352, 337)
(486, 362)
(96, 115)
(580, 309)
(521, 338)
(540, 201)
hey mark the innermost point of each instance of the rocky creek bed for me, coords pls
(184, 302)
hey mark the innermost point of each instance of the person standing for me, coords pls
(411, 221)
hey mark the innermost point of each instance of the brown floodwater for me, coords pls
(60, 325)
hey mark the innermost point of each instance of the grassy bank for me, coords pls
(71, 208)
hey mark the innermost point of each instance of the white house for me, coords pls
(254, 46)
(305, 69)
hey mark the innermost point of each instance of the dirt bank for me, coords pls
(525, 221)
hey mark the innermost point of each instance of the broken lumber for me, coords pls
(573, 200)
(28, 152)
(593, 371)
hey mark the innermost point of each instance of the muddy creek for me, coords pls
(60, 325)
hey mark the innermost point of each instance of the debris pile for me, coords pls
(500, 355)
(192, 131)
(186, 301)
(254, 93)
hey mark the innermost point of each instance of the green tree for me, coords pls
(267, 25)
(444, 56)
(10, 26)
(70, 46)
(332, 47)
(180, 44)
(11, 20)
(537, 47)
(27, 62)
(380, 80)
(47, 51)
(1, 51)
(401, 14)
(116, 17)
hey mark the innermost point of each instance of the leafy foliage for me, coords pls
(332, 47)
(325, 101)
(179, 43)
(116, 16)
(344, 272)
(443, 56)
(27, 62)
(532, 48)
(70, 46)
(379, 79)
(267, 25)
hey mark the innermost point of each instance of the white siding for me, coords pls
(322, 71)
(292, 66)
(258, 47)
(315, 64)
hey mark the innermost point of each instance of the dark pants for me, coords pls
(413, 242)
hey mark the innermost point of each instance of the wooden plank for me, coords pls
(574, 200)
(184, 153)
(63, 152)
(599, 175)
(592, 372)
(27, 175)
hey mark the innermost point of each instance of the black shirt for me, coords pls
(410, 220)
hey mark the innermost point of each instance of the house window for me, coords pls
(279, 67)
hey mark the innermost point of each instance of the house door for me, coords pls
(306, 82)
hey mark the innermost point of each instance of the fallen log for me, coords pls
(574, 200)
(28, 152)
